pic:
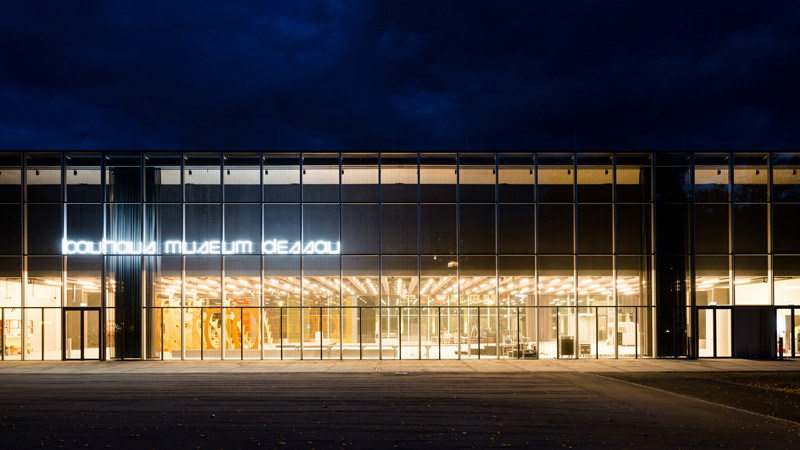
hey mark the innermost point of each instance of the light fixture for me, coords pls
(266, 172)
(606, 171)
(719, 172)
(757, 172)
(75, 172)
(229, 172)
(569, 171)
(37, 172)
(190, 172)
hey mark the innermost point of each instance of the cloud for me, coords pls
(436, 75)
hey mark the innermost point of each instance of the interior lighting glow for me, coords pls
(559, 292)
(742, 281)
(593, 286)
(556, 281)
(550, 290)
(566, 286)
(587, 281)
(209, 281)
(524, 289)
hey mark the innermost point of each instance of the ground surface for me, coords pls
(374, 411)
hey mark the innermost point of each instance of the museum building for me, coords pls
(276, 255)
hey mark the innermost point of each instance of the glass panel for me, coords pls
(11, 238)
(470, 333)
(360, 177)
(242, 287)
(171, 339)
(112, 331)
(517, 228)
(673, 179)
(202, 177)
(556, 177)
(163, 223)
(351, 342)
(595, 229)
(713, 280)
(438, 177)
(123, 229)
(91, 330)
(11, 282)
(361, 228)
(399, 223)
(595, 281)
(449, 340)
(595, 177)
(429, 323)
(785, 177)
(203, 281)
(606, 330)
(44, 282)
(587, 332)
(477, 231)
(409, 333)
(321, 281)
(787, 280)
(398, 177)
(439, 280)
(281, 281)
(626, 332)
(646, 334)
(282, 222)
(85, 223)
(83, 281)
(72, 335)
(634, 228)
(556, 280)
(360, 281)
(786, 332)
(751, 177)
(124, 301)
(712, 177)
(723, 333)
(331, 344)
(548, 331)
(634, 283)
(124, 178)
(242, 177)
(321, 223)
(517, 280)
(321, 177)
(44, 222)
(399, 281)
(52, 333)
(370, 322)
(477, 177)
(390, 333)
(281, 177)
(634, 177)
(556, 227)
(162, 177)
(212, 333)
(438, 230)
(43, 177)
(203, 224)
(242, 228)
(751, 283)
(271, 332)
(33, 334)
(678, 219)
(10, 177)
(711, 228)
(82, 175)
(478, 281)
(567, 321)
(193, 330)
(784, 227)
(516, 178)
(251, 341)
(291, 333)
(751, 228)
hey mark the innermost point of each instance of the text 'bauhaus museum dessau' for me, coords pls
(268, 255)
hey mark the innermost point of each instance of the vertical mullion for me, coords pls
(497, 337)
(458, 253)
(183, 260)
(103, 272)
(302, 258)
(695, 343)
(575, 342)
(614, 297)
(341, 279)
(223, 295)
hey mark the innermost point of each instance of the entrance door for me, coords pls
(788, 328)
(82, 334)
(714, 327)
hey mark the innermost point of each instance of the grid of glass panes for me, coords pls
(464, 255)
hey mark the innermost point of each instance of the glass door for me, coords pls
(714, 326)
(82, 334)
(788, 328)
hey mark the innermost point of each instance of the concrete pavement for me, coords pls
(394, 366)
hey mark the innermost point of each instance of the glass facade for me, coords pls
(223, 255)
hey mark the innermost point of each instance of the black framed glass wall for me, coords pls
(251, 255)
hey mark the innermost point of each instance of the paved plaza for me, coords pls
(408, 366)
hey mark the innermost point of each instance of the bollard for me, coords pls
(780, 348)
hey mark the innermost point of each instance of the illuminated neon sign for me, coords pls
(270, 247)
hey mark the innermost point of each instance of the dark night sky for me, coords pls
(345, 75)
